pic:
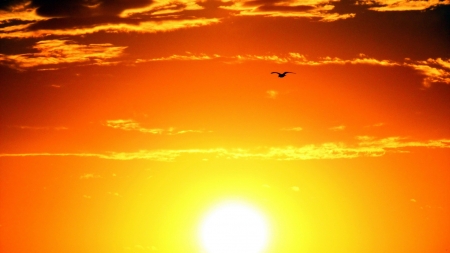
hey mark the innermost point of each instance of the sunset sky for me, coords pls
(122, 122)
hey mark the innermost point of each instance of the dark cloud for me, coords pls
(79, 22)
(260, 2)
(300, 8)
(13, 22)
(7, 5)
(85, 8)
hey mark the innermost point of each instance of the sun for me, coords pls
(234, 227)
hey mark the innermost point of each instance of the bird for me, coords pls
(281, 75)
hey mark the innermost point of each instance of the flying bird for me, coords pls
(281, 75)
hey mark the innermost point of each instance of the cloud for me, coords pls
(188, 57)
(56, 52)
(20, 11)
(25, 31)
(41, 128)
(366, 146)
(338, 128)
(434, 70)
(404, 5)
(89, 176)
(380, 124)
(397, 142)
(131, 125)
(295, 188)
(115, 194)
(41, 18)
(295, 129)
(318, 9)
(159, 7)
(85, 8)
(272, 94)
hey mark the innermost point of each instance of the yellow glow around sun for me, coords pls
(234, 227)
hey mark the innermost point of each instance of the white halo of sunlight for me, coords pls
(234, 227)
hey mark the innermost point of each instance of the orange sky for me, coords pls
(123, 122)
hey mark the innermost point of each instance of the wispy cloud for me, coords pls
(295, 129)
(397, 142)
(272, 94)
(59, 128)
(56, 52)
(338, 128)
(143, 27)
(131, 125)
(434, 70)
(403, 5)
(187, 57)
(89, 176)
(376, 125)
(159, 7)
(319, 9)
(366, 146)
(20, 11)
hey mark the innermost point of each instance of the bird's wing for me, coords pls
(275, 73)
(288, 72)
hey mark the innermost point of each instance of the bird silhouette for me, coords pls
(281, 75)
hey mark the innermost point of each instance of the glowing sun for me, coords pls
(234, 227)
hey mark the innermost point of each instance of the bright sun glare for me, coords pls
(234, 227)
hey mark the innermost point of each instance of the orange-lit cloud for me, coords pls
(434, 70)
(59, 128)
(320, 9)
(397, 142)
(21, 12)
(295, 129)
(403, 5)
(272, 94)
(338, 128)
(89, 176)
(142, 27)
(55, 52)
(131, 125)
(376, 125)
(188, 57)
(159, 7)
(365, 147)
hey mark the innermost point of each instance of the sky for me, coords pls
(123, 121)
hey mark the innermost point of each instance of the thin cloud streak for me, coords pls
(163, 7)
(318, 9)
(295, 129)
(404, 5)
(143, 27)
(56, 52)
(338, 128)
(131, 125)
(53, 52)
(366, 147)
(434, 70)
(40, 128)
